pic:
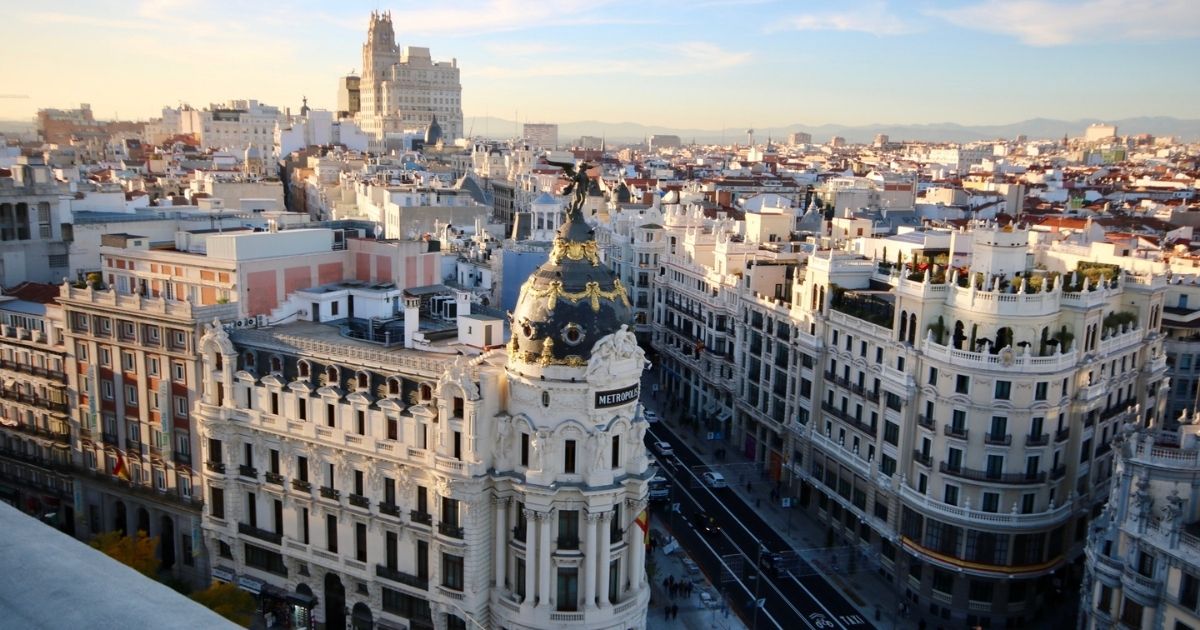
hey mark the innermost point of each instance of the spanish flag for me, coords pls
(643, 521)
(120, 469)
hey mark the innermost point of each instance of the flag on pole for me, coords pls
(643, 521)
(120, 469)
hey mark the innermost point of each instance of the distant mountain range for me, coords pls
(626, 132)
(1034, 128)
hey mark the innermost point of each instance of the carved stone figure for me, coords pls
(536, 446)
(459, 373)
(596, 446)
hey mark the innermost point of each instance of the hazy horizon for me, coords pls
(668, 63)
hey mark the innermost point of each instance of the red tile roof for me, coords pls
(34, 292)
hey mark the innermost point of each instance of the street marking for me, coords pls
(753, 536)
(700, 537)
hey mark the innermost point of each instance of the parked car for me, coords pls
(664, 449)
(660, 489)
(705, 523)
(650, 415)
(713, 479)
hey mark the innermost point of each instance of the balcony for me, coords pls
(450, 530)
(301, 485)
(273, 478)
(255, 532)
(1037, 440)
(568, 543)
(401, 577)
(1058, 473)
(992, 477)
(16, 366)
(30, 399)
(180, 458)
(110, 438)
(63, 434)
(358, 500)
(248, 471)
(424, 518)
(1148, 588)
(391, 509)
(1062, 434)
(955, 432)
(998, 439)
(922, 458)
(926, 422)
(330, 493)
(213, 466)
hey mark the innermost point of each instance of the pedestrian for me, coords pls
(674, 611)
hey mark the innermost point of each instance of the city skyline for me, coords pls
(656, 64)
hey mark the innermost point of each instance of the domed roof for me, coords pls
(433, 133)
(570, 302)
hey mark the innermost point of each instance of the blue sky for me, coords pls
(699, 63)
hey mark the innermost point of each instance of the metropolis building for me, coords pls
(441, 482)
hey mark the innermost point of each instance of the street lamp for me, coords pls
(757, 586)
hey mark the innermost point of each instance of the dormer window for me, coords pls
(363, 380)
(304, 369)
(248, 360)
(331, 376)
(276, 365)
(393, 385)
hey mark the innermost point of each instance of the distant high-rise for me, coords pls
(349, 95)
(403, 88)
(661, 141)
(1099, 131)
(800, 137)
(541, 135)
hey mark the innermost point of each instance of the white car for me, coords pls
(664, 449)
(713, 479)
(650, 415)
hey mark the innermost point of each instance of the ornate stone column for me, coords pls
(500, 556)
(543, 554)
(590, 551)
(604, 557)
(531, 535)
(637, 554)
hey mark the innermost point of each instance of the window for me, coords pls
(177, 371)
(1131, 613)
(568, 529)
(951, 496)
(524, 449)
(360, 542)
(105, 356)
(954, 459)
(1027, 501)
(1189, 591)
(216, 502)
(131, 396)
(615, 452)
(1003, 390)
(331, 533)
(1040, 390)
(181, 407)
(452, 572)
(152, 366)
(891, 432)
(302, 468)
(962, 384)
(568, 588)
(933, 376)
(569, 456)
(991, 501)
(393, 429)
(106, 389)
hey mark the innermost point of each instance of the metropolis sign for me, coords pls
(617, 397)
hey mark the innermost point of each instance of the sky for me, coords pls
(704, 64)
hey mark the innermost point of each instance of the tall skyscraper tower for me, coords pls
(404, 88)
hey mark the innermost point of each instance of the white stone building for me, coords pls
(461, 486)
(404, 88)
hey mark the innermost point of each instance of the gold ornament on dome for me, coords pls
(547, 352)
(573, 250)
(592, 292)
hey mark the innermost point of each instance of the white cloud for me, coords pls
(873, 18)
(1046, 23)
(677, 59)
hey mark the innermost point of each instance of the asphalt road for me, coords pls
(802, 599)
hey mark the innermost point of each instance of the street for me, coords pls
(730, 556)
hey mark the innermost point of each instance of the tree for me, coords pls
(228, 601)
(136, 553)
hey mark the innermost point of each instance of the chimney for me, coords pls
(412, 319)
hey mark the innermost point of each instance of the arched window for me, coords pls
(912, 328)
(393, 386)
(276, 364)
(304, 369)
(248, 360)
(903, 325)
(425, 392)
(363, 380)
(331, 376)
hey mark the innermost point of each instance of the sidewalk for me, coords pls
(876, 600)
(693, 614)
